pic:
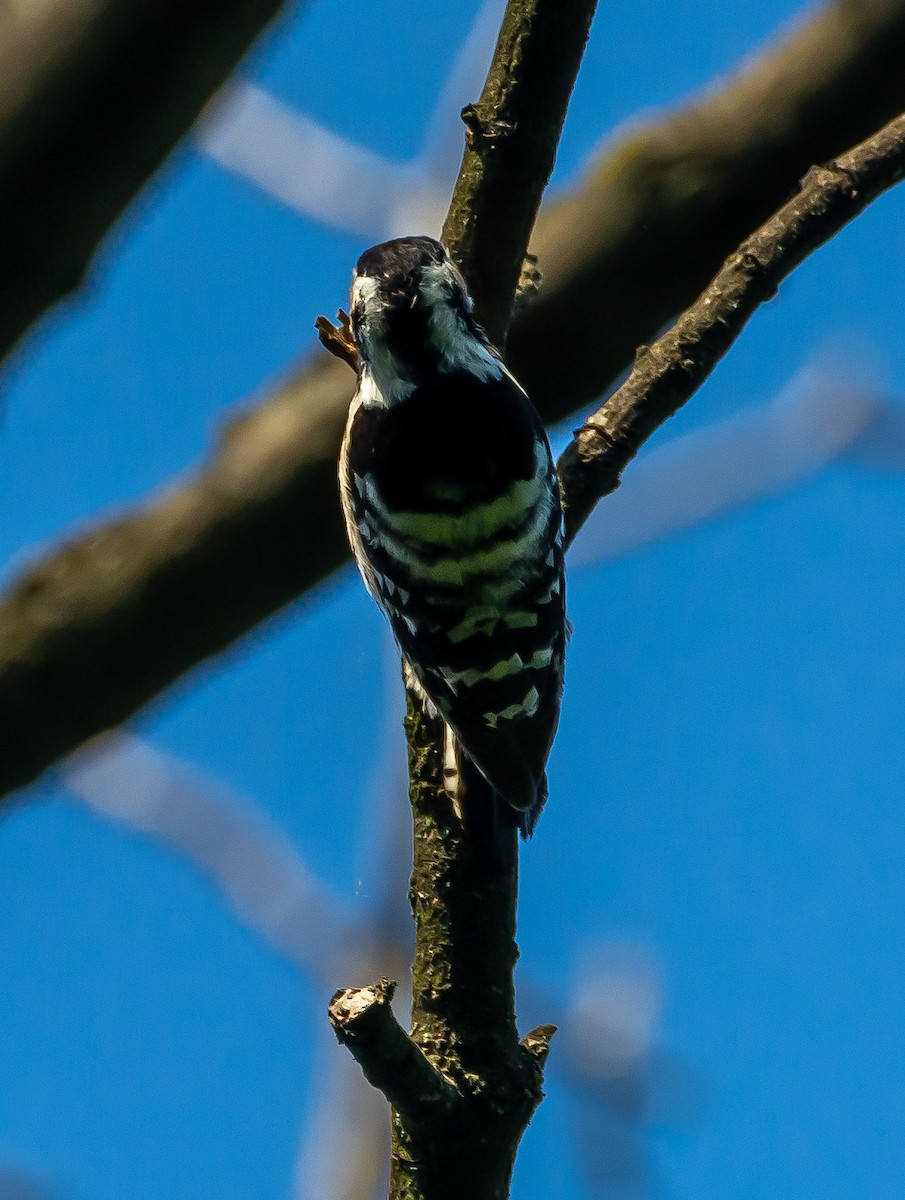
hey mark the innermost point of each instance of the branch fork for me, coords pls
(86, 630)
(363, 1020)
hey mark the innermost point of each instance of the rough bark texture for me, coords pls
(510, 146)
(103, 625)
(363, 1020)
(463, 895)
(93, 95)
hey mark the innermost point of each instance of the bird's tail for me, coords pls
(461, 774)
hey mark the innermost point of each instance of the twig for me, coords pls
(667, 373)
(93, 95)
(110, 619)
(537, 1042)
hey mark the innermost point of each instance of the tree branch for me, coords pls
(463, 894)
(667, 373)
(510, 146)
(465, 874)
(93, 95)
(671, 198)
(363, 1021)
(104, 624)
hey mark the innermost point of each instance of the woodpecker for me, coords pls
(453, 513)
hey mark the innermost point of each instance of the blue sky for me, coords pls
(726, 785)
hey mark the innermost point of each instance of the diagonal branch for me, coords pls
(670, 371)
(672, 197)
(115, 616)
(93, 95)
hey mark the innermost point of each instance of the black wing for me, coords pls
(453, 510)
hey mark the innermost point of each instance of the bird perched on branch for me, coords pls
(453, 513)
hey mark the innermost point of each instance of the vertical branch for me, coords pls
(465, 877)
(464, 1088)
(463, 893)
(510, 146)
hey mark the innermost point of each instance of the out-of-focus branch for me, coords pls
(102, 626)
(510, 146)
(252, 863)
(93, 95)
(667, 373)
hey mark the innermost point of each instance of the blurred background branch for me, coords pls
(94, 94)
(102, 626)
(609, 1054)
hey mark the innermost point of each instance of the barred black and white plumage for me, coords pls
(453, 513)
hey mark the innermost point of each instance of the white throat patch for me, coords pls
(383, 389)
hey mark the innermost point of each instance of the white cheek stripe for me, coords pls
(457, 346)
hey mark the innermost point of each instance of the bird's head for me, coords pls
(412, 316)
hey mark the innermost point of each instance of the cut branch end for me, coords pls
(363, 1020)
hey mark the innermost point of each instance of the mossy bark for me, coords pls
(463, 895)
